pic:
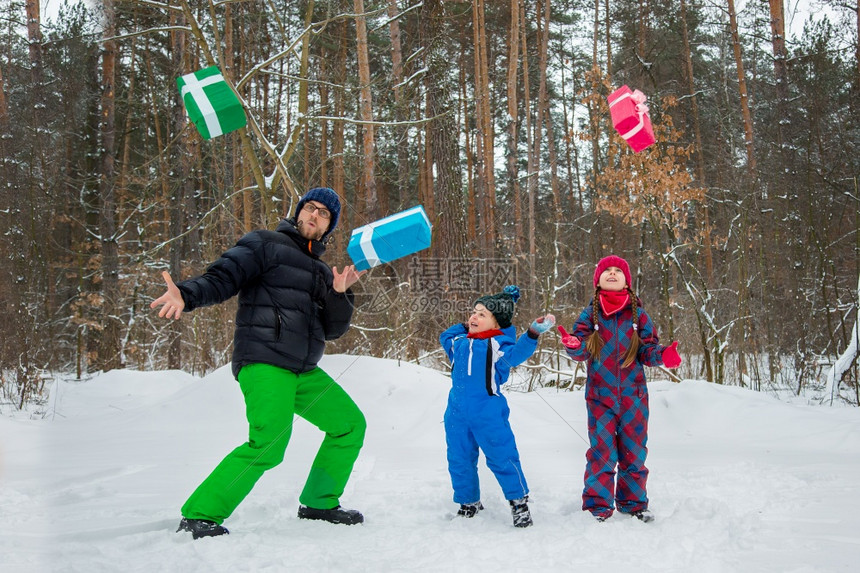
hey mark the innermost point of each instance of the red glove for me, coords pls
(671, 358)
(569, 340)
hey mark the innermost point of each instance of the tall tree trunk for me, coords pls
(571, 153)
(338, 142)
(742, 88)
(4, 120)
(444, 160)
(489, 142)
(6, 163)
(110, 356)
(691, 91)
(371, 206)
(531, 145)
(697, 130)
(513, 126)
(89, 201)
(783, 176)
(857, 56)
(400, 109)
(324, 110)
(36, 102)
(179, 167)
(542, 116)
(125, 161)
(303, 95)
(396, 52)
(642, 35)
(745, 204)
(472, 196)
(426, 192)
(777, 29)
(4, 115)
(547, 118)
(743, 295)
(22, 204)
(595, 35)
(243, 176)
(162, 166)
(486, 185)
(608, 28)
(232, 171)
(476, 161)
(34, 41)
(593, 114)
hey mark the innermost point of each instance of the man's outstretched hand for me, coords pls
(171, 301)
(345, 279)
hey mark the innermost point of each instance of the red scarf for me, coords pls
(612, 301)
(484, 334)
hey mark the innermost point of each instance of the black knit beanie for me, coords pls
(501, 304)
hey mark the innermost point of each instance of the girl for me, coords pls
(617, 338)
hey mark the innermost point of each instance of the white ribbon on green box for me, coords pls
(211, 103)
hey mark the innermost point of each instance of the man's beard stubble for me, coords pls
(315, 236)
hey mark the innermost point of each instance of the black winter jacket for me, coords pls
(287, 306)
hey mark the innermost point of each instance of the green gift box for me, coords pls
(211, 103)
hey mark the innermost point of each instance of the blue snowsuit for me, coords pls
(477, 414)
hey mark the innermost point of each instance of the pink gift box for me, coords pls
(630, 117)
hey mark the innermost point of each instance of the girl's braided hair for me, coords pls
(594, 342)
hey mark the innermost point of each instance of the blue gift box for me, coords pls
(391, 238)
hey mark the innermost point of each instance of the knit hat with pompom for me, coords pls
(501, 304)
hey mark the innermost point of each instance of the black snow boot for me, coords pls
(201, 528)
(334, 515)
(643, 515)
(470, 509)
(520, 512)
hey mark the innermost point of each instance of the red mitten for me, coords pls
(569, 340)
(671, 358)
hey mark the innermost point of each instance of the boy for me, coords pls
(482, 353)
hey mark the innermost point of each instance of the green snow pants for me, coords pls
(272, 396)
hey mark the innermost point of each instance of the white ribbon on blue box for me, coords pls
(391, 238)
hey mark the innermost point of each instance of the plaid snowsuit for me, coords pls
(477, 413)
(617, 402)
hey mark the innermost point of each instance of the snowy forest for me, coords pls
(741, 224)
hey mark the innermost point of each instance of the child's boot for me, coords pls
(520, 512)
(643, 515)
(470, 509)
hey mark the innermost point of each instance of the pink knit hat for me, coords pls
(612, 261)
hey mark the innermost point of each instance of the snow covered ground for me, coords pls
(739, 482)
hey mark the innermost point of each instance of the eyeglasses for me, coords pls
(322, 212)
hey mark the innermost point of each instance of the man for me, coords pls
(290, 303)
